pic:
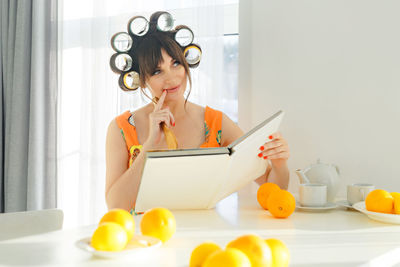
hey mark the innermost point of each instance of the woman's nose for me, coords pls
(169, 76)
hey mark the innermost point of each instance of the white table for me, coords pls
(335, 238)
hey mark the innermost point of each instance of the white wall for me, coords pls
(334, 67)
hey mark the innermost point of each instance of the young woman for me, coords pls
(165, 72)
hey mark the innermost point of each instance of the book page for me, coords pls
(187, 182)
(244, 165)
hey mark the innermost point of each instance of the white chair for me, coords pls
(18, 224)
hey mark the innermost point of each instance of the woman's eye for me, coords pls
(176, 63)
(156, 72)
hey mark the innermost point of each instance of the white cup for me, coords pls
(313, 194)
(358, 192)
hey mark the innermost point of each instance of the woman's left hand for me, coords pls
(276, 150)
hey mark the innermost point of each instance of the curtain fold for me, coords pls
(29, 104)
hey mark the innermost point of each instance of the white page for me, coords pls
(187, 182)
(245, 165)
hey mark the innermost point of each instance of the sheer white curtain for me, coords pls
(90, 97)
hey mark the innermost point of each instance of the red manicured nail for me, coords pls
(270, 137)
(260, 155)
(265, 157)
(261, 147)
(173, 124)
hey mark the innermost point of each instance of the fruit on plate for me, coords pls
(263, 193)
(379, 200)
(201, 252)
(281, 204)
(396, 202)
(159, 223)
(255, 248)
(109, 236)
(123, 218)
(231, 257)
(280, 253)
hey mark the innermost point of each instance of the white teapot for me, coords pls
(322, 173)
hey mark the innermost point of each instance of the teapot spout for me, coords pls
(303, 178)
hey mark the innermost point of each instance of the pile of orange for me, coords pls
(244, 251)
(280, 203)
(117, 227)
(382, 201)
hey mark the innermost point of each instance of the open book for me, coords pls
(199, 178)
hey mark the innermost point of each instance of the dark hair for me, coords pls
(149, 55)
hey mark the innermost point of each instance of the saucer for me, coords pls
(345, 203)
(327, 206)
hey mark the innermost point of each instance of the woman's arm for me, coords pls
(122, 183)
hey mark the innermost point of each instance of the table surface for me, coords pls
(338, 237)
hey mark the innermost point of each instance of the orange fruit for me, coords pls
(263, 193)
(159, 223)
(123, 218)
(281, 204)
(231, 257)
(396, 202)
(109, 236)
(255, 248)
(201, 252)
(379, 200)
(280, 253)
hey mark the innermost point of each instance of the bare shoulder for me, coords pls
(141, 115)
(114, 136)
(230, 130)
(196, 111)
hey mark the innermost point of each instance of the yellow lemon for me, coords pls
(396, 202)
(231, 257)
(280, 253)
(379, 200)
(109, 236)
(159, 223)
(123, 218)
(201, 252)
(255, 248)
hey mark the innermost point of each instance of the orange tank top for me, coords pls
(212, 131)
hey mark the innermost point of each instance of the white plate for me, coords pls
(328, 206)
(344, 203)
(382, 217)
(139, 245)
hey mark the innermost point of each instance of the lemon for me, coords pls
(379, 200)
(109, 236)
(123, 218)
(231, 257)
(159, 223)
(396, 202)
(255, 248)
(280, 253)
(201, 252)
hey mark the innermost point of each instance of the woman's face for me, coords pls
(170, 75)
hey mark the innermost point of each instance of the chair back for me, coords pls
(19, 224)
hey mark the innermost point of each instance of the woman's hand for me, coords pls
(158, 116)
(276, 150)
